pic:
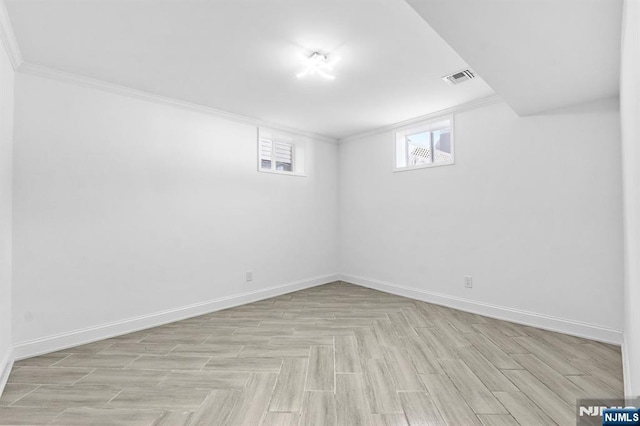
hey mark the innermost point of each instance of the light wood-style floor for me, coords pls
(334, 354)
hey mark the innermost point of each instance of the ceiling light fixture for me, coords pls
(318, 64)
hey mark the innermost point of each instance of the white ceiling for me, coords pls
(242, 56)
(536, 54)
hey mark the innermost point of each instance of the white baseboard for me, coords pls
(62, 341)
(5, 369)
(88, 335)
(547, 322)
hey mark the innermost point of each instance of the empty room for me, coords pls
(319, 212)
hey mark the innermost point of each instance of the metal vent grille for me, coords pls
(459, 77)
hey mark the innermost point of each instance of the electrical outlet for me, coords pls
(468, 281)
(249, 276)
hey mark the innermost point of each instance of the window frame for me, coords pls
(275, 137)
(273, 160)
(421, 127)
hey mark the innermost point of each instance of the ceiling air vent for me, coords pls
(459, 77)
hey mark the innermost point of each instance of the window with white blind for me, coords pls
(276, 155)
(425, 145)
(280, 152)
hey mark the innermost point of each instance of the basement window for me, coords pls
(280, 152)
(423, 145)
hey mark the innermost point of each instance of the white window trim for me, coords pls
(281, 172)
(417, 128)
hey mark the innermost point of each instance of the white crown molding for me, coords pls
(74, 338)
(46, 72)
(8, 38)
(448, 111)
(533, 319)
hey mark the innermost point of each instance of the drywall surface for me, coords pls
(531, 210)
(125, 207)
(6, 146)
(630, 111)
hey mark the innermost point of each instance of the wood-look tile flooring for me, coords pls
(334, 354)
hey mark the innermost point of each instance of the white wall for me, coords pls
(125, 207)
(630, 111)
(531, 209)
(6, 146)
